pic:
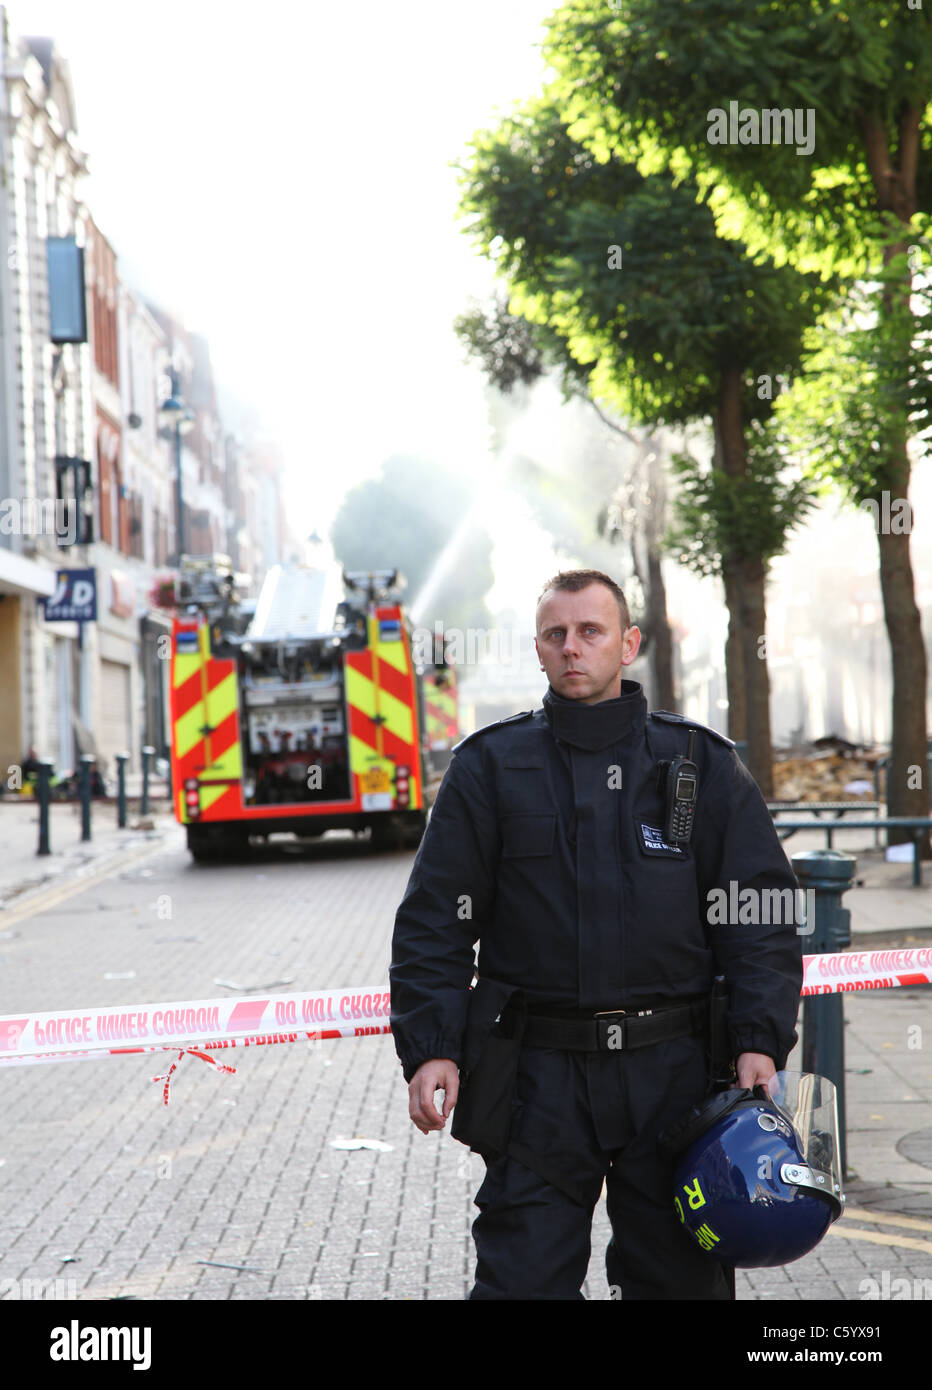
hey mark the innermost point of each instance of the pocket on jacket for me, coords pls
(527, 835)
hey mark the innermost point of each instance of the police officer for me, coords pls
(588, 1030)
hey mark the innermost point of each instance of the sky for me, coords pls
(279, 176)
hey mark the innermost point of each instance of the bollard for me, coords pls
(121, 760)
(87, 762)
(829, 873)
(147, 754)
(44, 794)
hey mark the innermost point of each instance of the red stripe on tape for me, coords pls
(10, 1032)
(247, 1014)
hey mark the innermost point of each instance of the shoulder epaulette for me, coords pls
(670, 718)
(487, 728)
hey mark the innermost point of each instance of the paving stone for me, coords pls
(256, 1182)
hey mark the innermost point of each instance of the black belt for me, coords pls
(617, 1030)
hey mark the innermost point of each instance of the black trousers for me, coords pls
(594, 1117)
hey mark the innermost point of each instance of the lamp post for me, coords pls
(176, 419)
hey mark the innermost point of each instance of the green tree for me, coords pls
(668, 319)
(684, 86)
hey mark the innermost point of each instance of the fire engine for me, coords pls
(301, 711)
(441, 713)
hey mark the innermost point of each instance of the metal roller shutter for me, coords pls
(113, 732)
(48, 742)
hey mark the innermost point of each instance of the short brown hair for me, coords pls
(571, 581)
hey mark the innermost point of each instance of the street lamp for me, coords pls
(175, 418)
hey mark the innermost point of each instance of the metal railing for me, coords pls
(817, 808)
(919, 826)
(43, 793)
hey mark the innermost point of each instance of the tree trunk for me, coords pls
(757, 680)
(645, 494)
(907, 783)
(745, 595)
(907, 787)
(735, 686)
(661, 652)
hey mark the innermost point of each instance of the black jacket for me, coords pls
(551, 854)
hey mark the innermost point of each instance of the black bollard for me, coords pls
(828, 873)
(121, 760)
(43, 791)
(87, 762)
(147, 753)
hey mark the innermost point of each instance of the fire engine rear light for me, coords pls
(402, 790)
(192, 797)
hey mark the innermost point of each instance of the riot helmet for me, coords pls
(758, 1173)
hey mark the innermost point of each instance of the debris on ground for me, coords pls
(827, 777)
(251, 989)
(377, 1144)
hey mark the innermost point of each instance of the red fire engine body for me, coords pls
(302, 711)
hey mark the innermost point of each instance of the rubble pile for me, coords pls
(827, 777)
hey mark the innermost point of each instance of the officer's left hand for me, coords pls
(754, 1069)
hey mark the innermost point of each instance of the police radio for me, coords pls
(682, 787)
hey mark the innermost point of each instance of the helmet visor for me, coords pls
(809, 1103)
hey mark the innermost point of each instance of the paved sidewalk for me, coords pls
(241, 1172)
(30, 882)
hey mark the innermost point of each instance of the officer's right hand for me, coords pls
(439, 1074)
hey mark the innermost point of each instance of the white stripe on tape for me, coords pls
(334, 1013)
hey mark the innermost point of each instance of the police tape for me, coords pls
(843, 971)
(324, 1013)
(193, 1027)
(199, 1027)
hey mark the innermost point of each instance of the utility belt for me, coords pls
(615, 1030)
(500, 1023)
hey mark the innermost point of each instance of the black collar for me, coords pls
(592, 727)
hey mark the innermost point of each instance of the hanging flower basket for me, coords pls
(162, 593)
